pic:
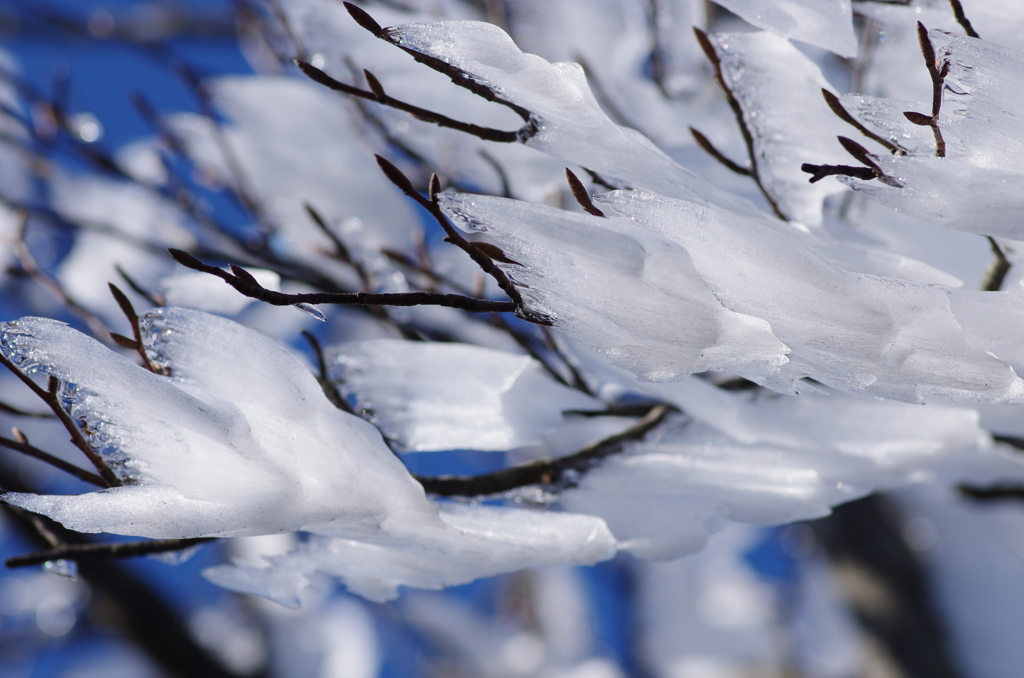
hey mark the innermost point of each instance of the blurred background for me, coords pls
(919, 584)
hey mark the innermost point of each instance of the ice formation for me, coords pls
(444, 396)
(827, 24)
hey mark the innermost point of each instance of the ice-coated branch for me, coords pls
(21, 444)
(50, 396)
(321, 375)
(484, 257)
(377, 94)
(80, 552)
(837, 107)
(709, 148)
(456, 75)
(938, 75)
(245, 284)
(997, 270)
(136, 343)
(734, 104)
(871, 171)
(553, 472)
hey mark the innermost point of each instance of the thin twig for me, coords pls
(52, 285)
(837, 107)
(322, 378)
(997, 270)
(553, 472)
(938, 74)
(52, 399)
(243, 281)
(734, 104)
(25, 448)
(377, 94)
(709, 148)
(10, 409)
(481, 259)
(129, 549)
(136, 344)
(457, 76)
(961, 18)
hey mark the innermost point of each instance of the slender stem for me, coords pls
(734, 104)
(553, 472)
(129, 549)
(32, 451)
(247, 285)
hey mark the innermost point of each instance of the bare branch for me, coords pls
(482, 260)
(129, 549)
(997, 270)
(256, 291)
(554, 472)
(837, 107)
(378, 95)
(734, 104)
(22, 445)
(133, 320)
(708, 147)
(961, 18)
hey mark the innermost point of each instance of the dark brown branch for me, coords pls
(995, 493)
(10, 409)
(50, 396)
(52, 285)
(734, 104)
(485, 263)
(837, 107)
(554, 472)
(457, 76)
(250, 288)
(321, 376)
(378, 95)
(150, 297)
(129, 549)
(938, 75)
(997, 270)
(506, 188)
(579, 191)
(709, 148)
(961, 18)
(25, 448)
(136, 344)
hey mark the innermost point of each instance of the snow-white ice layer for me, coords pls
(772, 460)
(827, 24)
(677, 288)
(443, 396)
(629, 293)
(570, 123)
(779, 90)
(479, 541)
(973, 188)
(242, 441)
(316, 158)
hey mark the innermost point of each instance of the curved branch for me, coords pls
(245, 284)
(554, 472)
